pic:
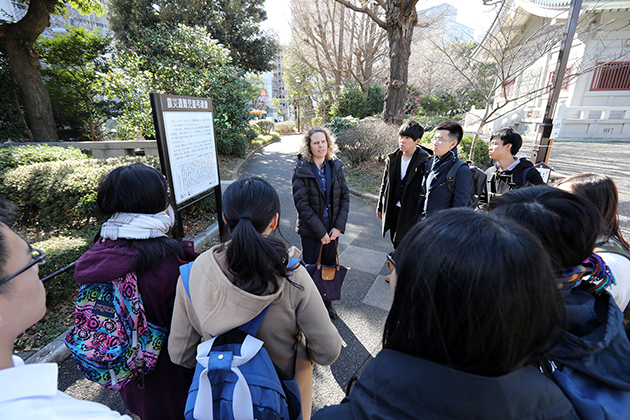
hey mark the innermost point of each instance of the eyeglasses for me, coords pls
(38, 256)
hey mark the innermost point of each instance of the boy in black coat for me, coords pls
(402, 182)
(508, 172)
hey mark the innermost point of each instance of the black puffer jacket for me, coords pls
(309, 200)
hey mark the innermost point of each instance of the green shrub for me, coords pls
(250, 133)
(60, 252)
(429, 123)
(55, 194)
(265, 126)
(367, 140)
(481, 158)
(14, 156)
(285, 127)
(339, 125)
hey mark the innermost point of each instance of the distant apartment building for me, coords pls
(274, 84)
(14, 11)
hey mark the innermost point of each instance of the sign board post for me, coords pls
(184, 128)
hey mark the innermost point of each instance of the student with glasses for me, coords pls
(29, 391)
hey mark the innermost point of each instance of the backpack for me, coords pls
(478, 180)
(112, 342)
(515, 183)
(235, 378)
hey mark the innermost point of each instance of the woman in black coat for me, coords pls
(321, 197)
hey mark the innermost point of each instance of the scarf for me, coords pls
(137, 225)
(593, 271)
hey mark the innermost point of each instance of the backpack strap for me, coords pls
(451, 174)
(184, 270)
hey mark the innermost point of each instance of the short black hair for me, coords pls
(568, 225)
(453, 128)
(482, 299)
(136, 188)
(411, 129)
(509, 136)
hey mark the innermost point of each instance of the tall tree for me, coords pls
(338, 45)
(76, 63)
(398, 18)
(16, 42)
(234, 23)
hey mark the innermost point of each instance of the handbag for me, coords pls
(328, 279)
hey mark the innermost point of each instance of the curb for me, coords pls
(57, 352)
(365, 196)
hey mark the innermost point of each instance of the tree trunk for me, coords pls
(17, 40)
(400, 24)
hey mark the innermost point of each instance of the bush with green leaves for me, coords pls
(429, 123)
(339, 125)
(352, 101)
(14, 156)
(61, 194)
(286, 127)
(368, 140)
(61, 251)
(265, 126)
(181, 60)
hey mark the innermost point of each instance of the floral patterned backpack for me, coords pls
(112, 342)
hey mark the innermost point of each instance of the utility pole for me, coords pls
(542, 147)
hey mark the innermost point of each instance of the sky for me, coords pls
(471, 13)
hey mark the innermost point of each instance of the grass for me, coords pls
(366, 176)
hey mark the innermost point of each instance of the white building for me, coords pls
(594, 102)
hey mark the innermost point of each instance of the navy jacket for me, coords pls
(597, 346)
(438, 194)
(398, 386)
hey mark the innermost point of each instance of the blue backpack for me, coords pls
(236, 379)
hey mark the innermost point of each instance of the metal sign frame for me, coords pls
(173, 105)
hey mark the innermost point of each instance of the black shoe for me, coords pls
(331, 311)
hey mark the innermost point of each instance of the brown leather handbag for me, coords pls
(328, 279)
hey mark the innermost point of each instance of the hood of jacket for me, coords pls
(106, 261)
(396, 385)
(596, 343)
(218, 304)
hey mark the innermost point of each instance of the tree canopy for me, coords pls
(234, 23)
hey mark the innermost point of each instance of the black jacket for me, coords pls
(310, 201)
(498, 182)
(410, 195)
(397, 386)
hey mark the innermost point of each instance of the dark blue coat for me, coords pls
(596, 347)
(398, 386)
(439, 196)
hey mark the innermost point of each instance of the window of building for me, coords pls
(565, 83)
(507, 90)
(612, 76)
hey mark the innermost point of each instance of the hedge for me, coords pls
(61, 251)
(368, 140)
(285, 127)
(14, 156)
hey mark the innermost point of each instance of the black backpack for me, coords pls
(478, 180)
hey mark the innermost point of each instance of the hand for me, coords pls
(326, 239)
(334, 234)
(379, 214)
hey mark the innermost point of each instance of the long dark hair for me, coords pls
(567, 224)
(139, 188)
(602, 192)
(473, 293)
(256, 260)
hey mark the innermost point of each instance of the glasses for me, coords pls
(38, 256)
(439, 139)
